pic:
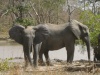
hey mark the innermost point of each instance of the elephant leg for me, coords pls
(48, 62)
(70, 52)
(27, 56)
(26, 61)
(35, 55)
(94, 58)
(41, 62)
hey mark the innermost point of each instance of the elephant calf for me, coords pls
(97, 53)
(29, 37)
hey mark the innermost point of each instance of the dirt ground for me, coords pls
(81, 67)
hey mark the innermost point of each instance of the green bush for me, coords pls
(25, 21)
(4, 65)
(93, 22)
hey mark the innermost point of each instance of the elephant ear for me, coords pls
(16, 33)
(78, 28)
(41, 33)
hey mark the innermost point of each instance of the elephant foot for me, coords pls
(49, 64)
(28, 67)
(41, 63)
(69, 62)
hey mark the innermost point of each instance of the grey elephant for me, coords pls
(64, 36)
(97, 53)
(97, 50)
(98, 39)
(30, 37)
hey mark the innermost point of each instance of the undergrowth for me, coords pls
(5, 64)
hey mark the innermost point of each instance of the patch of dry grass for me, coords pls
(57, 69)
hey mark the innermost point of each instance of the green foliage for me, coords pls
(93, 22)
(23, 7)
(33, 12)
(20, 11)
(22, 19)
(25, 21)
(4, 64)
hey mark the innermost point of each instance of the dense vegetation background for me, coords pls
(33, 12)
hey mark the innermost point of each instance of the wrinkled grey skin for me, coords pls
(30, 37)
(97, 53)
(64, 36)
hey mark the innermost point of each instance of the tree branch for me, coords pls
(35, 12)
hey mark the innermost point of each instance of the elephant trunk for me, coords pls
(88, 49)
(27, 47)
(87, 41)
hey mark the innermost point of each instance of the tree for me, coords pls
(40, 11)
(93, 22)
(48, 10)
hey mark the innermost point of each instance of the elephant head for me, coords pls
(81, 31)
(39, 33)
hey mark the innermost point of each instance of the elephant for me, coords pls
(96, 53)
(98, 39)
(29, 37)
(97, 50)
(64, 35)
